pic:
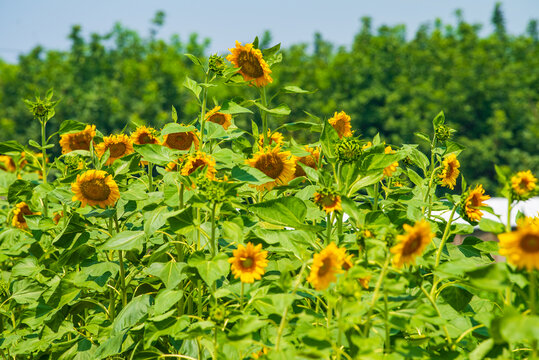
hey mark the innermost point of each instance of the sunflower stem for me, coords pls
(533, 303)
(121, 261)
(285, 312)
(328, 226)
(203, 110)
(375, 295)
(508, 225)
(181, 195)
(241, 296)
(199, 304)
(339, 224)
(375, 201)
(433, 303)
(213, 241)
(264, 116)
(150, 177)
(440, 249)
(386, 320)
(43, 122)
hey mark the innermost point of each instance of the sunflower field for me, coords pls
(204, 240)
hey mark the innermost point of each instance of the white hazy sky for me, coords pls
(27, 23)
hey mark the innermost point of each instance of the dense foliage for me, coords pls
(213, 238)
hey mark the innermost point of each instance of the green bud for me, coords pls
(217, 64)
(443, 132)
(348, 150)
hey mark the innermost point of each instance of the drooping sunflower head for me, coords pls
(95, 188)
(412, 243)
(251, 63)
(523, 185)
(181, 140)
(326, 265)
(342, 124)
(328, 200)
(248, 262)
(77, 141)
(276, 164)
(310, 160)
(144, 135)
(198, 161)
(388, 171)
(7, 163)
(21, 209)
(521, 247)
(118, 146)
(450, 171)
(220, 118)
(474, 199)
(274, 139)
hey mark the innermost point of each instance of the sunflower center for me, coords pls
(271, 165)
(95, 189)
(328, 200)
(249, 64)
(80, 142)
(180, 141)
(411, 245)
(25, 210)
(247, 263)
(325, 268)
(196, 164)
(117, 150)
(145, 138)
(218, 119)
(530, 243)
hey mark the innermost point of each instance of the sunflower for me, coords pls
(326, 264)
(274, 139)
(77, 141)
(95, 188)
(521, 247)
(252, 65)
(366, 146)
(248, 263)
(278, 165)
(173, 165)
(262, 352)
(412, 243)
(365, 281)
(7, 163)
(118, 145)
(388, 171)
(341, 124)
(523, 183)
(328, 200)
(347, 262)
(450, 172)
(474, 200)
(310, 160)
(20, 211)
(220, 118)
(197, 161)
(57, 217)
(144, 135)
(181, 140)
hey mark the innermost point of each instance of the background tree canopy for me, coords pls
(488, 87)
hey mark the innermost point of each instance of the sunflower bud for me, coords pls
(349, 288)
(211, 190)
(41, 108)
(348, 150)
(218, 314)
(217, 64)
(443, 132)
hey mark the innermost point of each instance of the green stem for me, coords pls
(150, 177)
(387, 328)
(285, 312)
(533, 306)
(181, 195)
(508, 226)
(199, 305)
(121, 261)
(375, 295)
(203, 111)
(241, 296)
(213, 241)
(376, 191)
(215, 344)
(339, 224)
(433, 303)
(441, 248)
(328, 226)
(44, 166)
(264, 117)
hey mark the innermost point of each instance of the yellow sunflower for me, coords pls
(95, 188)
(388, 171)
(19, 212)
(251, 63)
(278, 165)
(248, 263)
(220, 118)
(411, 244)
(521, 247)
(328, 200)
(262, 352)
(274, 139)
(77, 141)
(144, 135)
(309, 160)
(474, 200)
(341, 123)
(365, 281)
(181, 140)
(326, 264)
(118, 145)
(450, 172)
(366, 146)
(7, 163)
(523, 183)
(197, 161)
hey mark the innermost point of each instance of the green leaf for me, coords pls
(457, 297)
(157, 218)
(281, 110)
(171, 273)
(370, 178)
(164, 300)
(26, 291)
(303, 125)
(172, 128)
(71, 126)
(174, 114)
(291, 89)
(328, 139)
(249, 174)
(126, 240)
(519, 328)
(438, 120)
(111, 346)
(210, 270)
(20, 190)
(130, 315)
(287, 211)
(34, 144)
(156, 154)
(230, 107)
(491, 226)
(194, 59)
(193, 86)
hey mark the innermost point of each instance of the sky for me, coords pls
(27, 23)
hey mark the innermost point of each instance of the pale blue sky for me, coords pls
(26, 23)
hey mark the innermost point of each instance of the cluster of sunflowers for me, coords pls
(129, 246)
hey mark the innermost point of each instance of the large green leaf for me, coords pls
(130, 315)
(210, 270)
(126, 240)
(287, 211)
